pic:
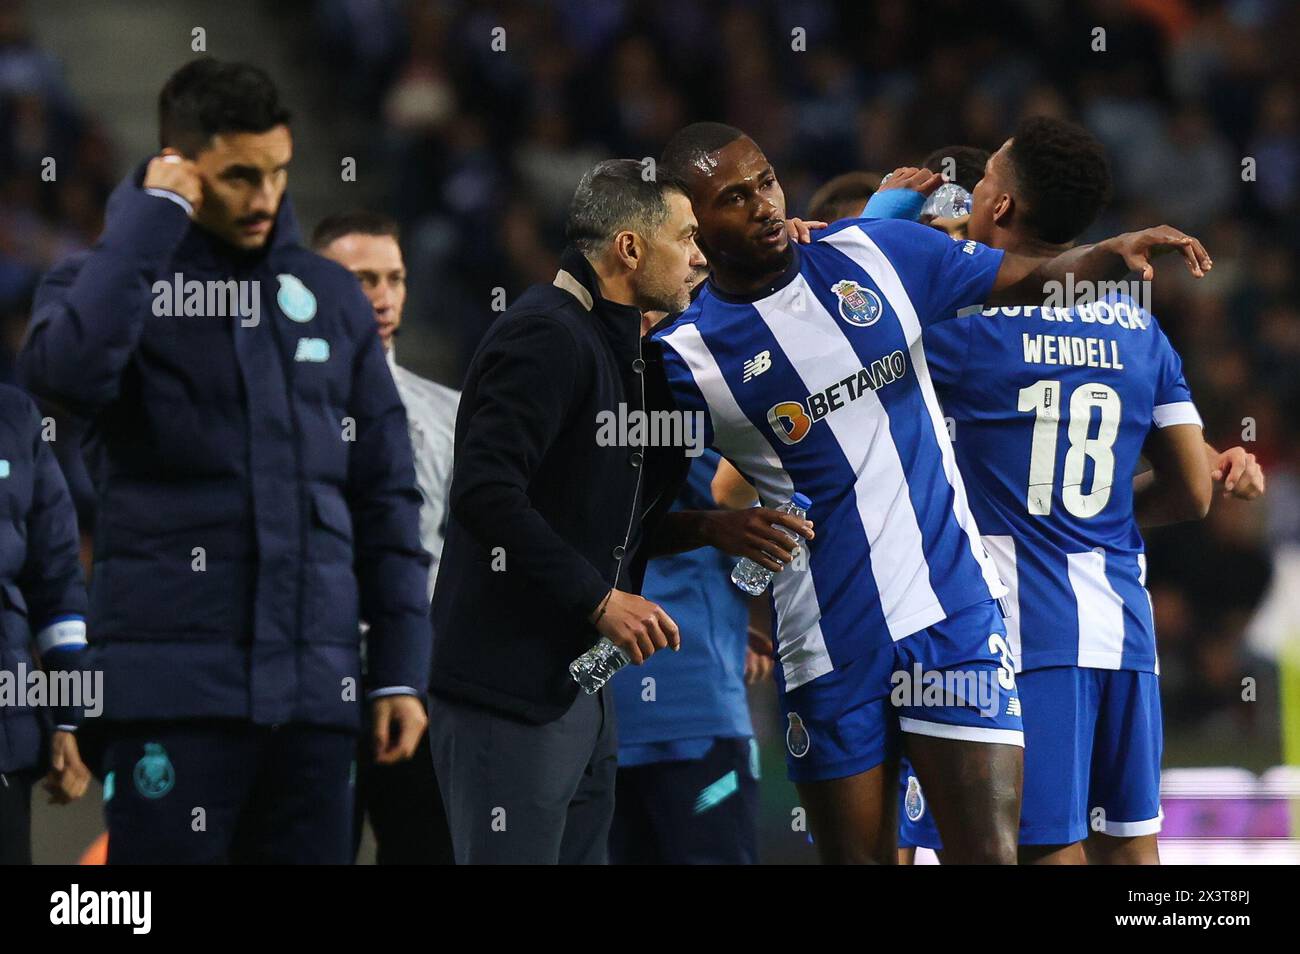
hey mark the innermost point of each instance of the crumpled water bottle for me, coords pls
(949, 201)
(597, 665)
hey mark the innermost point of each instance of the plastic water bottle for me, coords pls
(949, 201)
(753, 577)
(594, 668)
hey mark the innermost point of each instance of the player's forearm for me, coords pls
(1154, 509)
(1149, 504)
(680, 531)
(1159, 502)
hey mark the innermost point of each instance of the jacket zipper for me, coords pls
(636, 494)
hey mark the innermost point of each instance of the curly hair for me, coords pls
(1061, 175)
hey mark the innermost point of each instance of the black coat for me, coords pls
(544, 520)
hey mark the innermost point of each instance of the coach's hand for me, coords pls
(400, 722)
(1138, 248)
(635, 625)
(1239, 473)
(749, 533)
(175, 173)
(68, 776)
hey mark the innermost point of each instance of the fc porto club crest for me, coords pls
(914, 801)
(295, 299)
(858, 306)
(154, 775)
(796, 736)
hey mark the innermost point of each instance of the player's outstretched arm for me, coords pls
(1023, 280)
(1178, 487)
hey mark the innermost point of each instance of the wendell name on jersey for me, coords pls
(1074, 350)
(818, 385)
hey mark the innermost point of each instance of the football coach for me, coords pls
(254, 452)
(550, 527)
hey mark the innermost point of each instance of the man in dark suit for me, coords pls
(553, 515)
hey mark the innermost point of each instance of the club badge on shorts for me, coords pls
(295, 299)
(914, 801)
(796, 736)
(858, 306)
(154, 775)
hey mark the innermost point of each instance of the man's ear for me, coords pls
(627, 249)
(1003, 209)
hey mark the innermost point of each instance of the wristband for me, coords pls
(894, 204)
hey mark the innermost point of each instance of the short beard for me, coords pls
(664, 301)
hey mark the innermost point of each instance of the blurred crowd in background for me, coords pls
(479, 149)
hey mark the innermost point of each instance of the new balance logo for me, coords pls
(757, 365)
(969, 248)
(1013, 706)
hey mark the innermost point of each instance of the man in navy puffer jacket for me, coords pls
(257, 495)
(42, 603)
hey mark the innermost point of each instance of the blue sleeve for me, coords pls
(90, 311)
(947, 344)
(392, 567)
(51, 580)
(941, 276)
(1173, 398)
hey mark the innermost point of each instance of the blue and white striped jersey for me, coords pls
(1050, 409)
(819, 385)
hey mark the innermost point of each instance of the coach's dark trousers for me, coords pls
(519, 793)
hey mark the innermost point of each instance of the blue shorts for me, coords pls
(1093, 740)
(953, 680)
